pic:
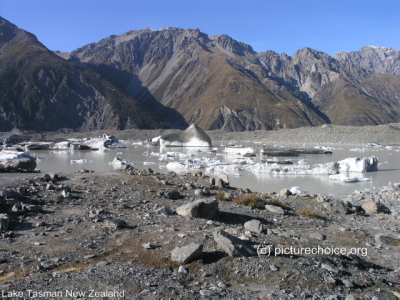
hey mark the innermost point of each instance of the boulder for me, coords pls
(173, 195)
(317, 236)
(375, 208)
(232, 245)
(220, 183)
(224, 177)
(387, 239)
(339, 206)
(203, 208)
(187, 253)
(275, 209)
(253, 226)
(5, 221)
(26, 164)
(114, 224)
(285, 192)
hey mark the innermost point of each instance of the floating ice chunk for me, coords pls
(347, 178)
(191, 137)
(355, 164)
(79, 161)
(239, 150)
(148, 163)
(120, 162)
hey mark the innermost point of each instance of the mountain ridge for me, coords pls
(184, 69)
(148, 78)
(41, 91)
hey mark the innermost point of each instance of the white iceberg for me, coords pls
(361, 165)
(191, 137)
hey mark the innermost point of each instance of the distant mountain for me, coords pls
(41, 91)
(373, 58)
(221, 83)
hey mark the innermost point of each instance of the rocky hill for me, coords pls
(221, 83)
(373, 58)
(41, 91)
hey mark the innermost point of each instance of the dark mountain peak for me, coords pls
(9, 31)
(41, 91)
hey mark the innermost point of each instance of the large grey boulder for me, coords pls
(187, 253)
(27, 164)
(203, 208)
(253, 226)
(232, 245)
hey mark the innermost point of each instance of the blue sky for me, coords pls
(280, 25)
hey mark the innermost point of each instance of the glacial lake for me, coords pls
(64, 161)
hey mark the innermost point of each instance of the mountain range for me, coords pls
(175, 77)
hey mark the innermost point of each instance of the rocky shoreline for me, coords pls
(326, 135)
(142, 235)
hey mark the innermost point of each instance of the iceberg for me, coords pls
(361, 165)
(194, 136)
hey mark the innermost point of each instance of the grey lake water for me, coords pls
(65, 161)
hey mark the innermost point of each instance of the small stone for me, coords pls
(375, 208)
(330, 268)
(114, 224)
(207, 293)
(45, 266)
(387, 239)
(66, 194)
(273, 267)
(173, 195)
(347, 283)
(182, 270)
(317, 236)
(149, 245)
(221, 285)
(5, 221)
(285, 192)
(275, 209)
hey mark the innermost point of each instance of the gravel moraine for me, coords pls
(112, 235)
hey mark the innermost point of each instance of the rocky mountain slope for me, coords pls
(373, 58)
(221, 83)
(41, 91)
